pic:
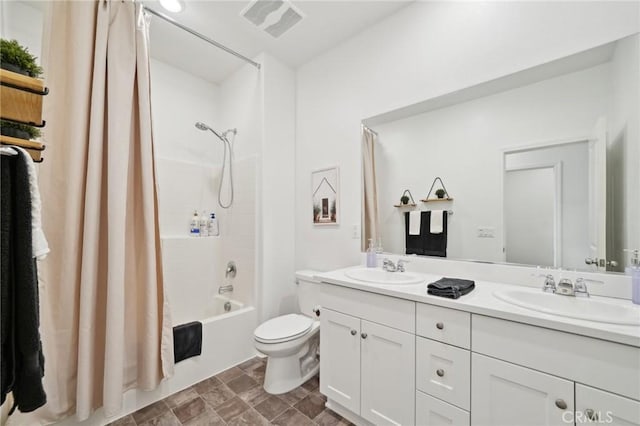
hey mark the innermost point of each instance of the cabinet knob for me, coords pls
(440, 372)
(364, 335)
(353, 332)
(439, 326)
(591, 415)
(561, 404)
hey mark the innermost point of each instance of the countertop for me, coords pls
(482, 301)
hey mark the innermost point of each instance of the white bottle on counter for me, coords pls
(213, 228)
(204, 225)
(194, 227)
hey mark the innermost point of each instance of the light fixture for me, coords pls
(172, 5)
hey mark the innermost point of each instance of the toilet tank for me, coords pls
(308, 290)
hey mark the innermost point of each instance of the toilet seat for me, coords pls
(283, 328)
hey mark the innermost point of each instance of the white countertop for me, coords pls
(482, 301)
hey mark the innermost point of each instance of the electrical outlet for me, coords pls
(355, 232)
(486, 232)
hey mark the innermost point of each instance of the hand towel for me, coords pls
(435, 227)
(39, 243)
(414, 222)
(452, 288)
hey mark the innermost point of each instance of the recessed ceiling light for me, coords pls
(172, 5)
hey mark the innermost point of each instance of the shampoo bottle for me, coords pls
(634, 271)
(372, 256)
(194, 227)
(204, 222)
(214, 229)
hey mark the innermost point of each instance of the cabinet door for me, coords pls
(340, 358)
(434, 412)
(594, 406)
(387, 375)
(504, 394)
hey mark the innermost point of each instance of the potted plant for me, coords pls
(440, 193)
(17, 58)
(20, 131)
(404, 199)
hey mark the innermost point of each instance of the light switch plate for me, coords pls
(355, 232)
(486, 232)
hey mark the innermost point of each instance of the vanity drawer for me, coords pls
(444, 325)
(385, 310)
(443, 371)
(432, 411)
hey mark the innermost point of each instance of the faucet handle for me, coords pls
(401, 263)
(580, 288)
(549, 284)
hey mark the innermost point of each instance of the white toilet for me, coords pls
(291, 342)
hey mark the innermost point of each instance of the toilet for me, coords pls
(291, 342)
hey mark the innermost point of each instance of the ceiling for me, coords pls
(326, 24)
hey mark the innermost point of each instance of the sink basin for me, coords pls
(380, 276)
(572, 307)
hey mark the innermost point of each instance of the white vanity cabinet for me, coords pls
(365, 366)
(389, 360)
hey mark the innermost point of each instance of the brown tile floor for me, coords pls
(235, 397)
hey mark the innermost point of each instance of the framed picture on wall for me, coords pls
(325, 196)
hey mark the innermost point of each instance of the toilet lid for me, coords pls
(283, 327)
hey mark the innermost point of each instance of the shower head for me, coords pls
(202, 126)
(222, 136)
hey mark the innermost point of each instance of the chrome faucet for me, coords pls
(565, 287)
(389, 266)
(225, 289)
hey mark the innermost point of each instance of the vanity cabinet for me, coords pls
(368, 367)
(389, 360)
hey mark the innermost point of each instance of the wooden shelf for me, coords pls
(404, 205)
(22, 101)
(436, 199)
(33, 148)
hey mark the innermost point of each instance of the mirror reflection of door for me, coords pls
(530, 199)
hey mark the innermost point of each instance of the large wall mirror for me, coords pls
(543, 166)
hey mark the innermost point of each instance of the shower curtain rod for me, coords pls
(200, 36)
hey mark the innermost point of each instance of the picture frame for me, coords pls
(325, 196)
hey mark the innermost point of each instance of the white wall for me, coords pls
(23, 22)
(464, 145)
(425, 50)
(277, 284)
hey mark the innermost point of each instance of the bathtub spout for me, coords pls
(225, 289)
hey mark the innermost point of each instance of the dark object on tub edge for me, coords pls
(187, 340)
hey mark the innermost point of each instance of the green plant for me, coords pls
(404, 199)
(440, 193)
(11, 52)
(33, 132)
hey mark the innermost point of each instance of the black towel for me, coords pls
(452, 288)
(187, 341)
(22, 363)
(426, 243)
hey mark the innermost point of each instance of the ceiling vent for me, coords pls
(275, 17)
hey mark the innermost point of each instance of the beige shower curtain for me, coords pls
(105, 321)
(370, 192)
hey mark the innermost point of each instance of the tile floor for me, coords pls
(235, 397)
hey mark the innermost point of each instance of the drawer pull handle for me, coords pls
(353, 332)
(561, 404)
(591, 415)
(440, 372)
(439, 326)
(364, 335)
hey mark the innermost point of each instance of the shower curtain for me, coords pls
(105, 321)
(370, 192)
